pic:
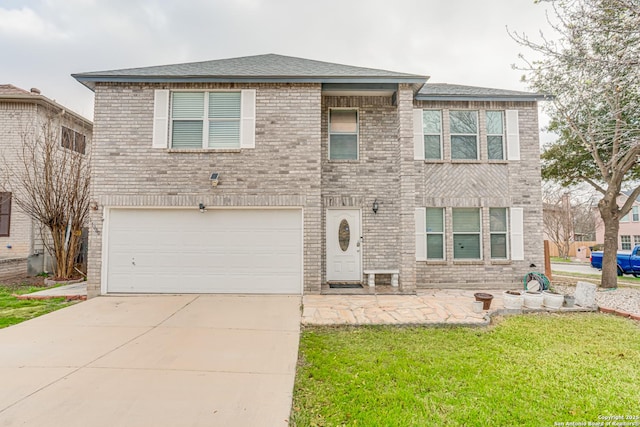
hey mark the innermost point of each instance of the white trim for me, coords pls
(418, 136)
(105, 252)
(517, 233)
(329, 134)
(421, 234)
(513, 134)
(160, 137)
(248, 118)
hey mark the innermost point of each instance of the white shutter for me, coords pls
(418, 135)
(517, 234)
(248, 131)
(513, 135)
(421, 234)
(160, 119)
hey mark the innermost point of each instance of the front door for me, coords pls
(344, 245)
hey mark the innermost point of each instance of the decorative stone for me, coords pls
(585, 294)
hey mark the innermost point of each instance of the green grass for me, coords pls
(558, 259)
(532, 370)
(13, 310)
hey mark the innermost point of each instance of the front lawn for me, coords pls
(14, 310)
(527, 370)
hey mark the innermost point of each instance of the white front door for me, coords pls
(344, 245)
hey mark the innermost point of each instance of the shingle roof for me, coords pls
(259, 68)
(7, 89)
(11, 93)
(450, 92)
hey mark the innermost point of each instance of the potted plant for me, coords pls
(533, 299)
(513, 300)
(552, 299)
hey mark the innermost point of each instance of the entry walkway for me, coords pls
(430, 307)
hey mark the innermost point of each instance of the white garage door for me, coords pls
(218, 251)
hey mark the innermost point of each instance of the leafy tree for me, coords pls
(592, 72)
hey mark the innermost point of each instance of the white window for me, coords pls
(636, 240)
(464, 134)
(499, 230)
(495, 135)
(343, 134)
(466, 233)
(432, 134)
(435, 233)
(205, 120)
(625, 243)
(634, 212)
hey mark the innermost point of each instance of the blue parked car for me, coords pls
(628, 261)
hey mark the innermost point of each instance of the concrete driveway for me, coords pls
(185, 360)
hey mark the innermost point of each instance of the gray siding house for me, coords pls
(274, 174)
(23, 116)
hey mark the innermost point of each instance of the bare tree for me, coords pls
(557, 218)
(592, 69)
(50, 183)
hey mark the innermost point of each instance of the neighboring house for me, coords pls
(22, 116)
(322, 173)
(629, 232)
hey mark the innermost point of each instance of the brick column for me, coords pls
(407, 244)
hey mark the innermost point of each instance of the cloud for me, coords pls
(26, 24)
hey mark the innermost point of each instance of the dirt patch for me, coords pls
(25, 282)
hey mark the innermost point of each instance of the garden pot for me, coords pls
(477, 306)
(485, 298)
(552, 300)
(533, 299)
(513, 300)
(569, 301)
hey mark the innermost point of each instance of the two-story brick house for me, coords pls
(321, 172)
(23, 114)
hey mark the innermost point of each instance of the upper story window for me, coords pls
(634, 213)
(464, 134)
(73, 140)
(495, 135)
(462, 138)
(343, 134)
(205, 120)
(5, 214)
(432, 131)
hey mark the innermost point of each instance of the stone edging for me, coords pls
(620, 313)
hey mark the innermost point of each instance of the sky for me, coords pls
(42, 42)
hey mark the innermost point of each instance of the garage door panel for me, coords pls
(219, 251)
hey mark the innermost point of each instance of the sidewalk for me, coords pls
(76, 291)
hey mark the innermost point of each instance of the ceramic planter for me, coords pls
(485, 298)
(513, 300)
(552, 300)
(533, 299)
(569, 301)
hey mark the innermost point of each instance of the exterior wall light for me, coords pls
(375, 206)
(214, 178)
